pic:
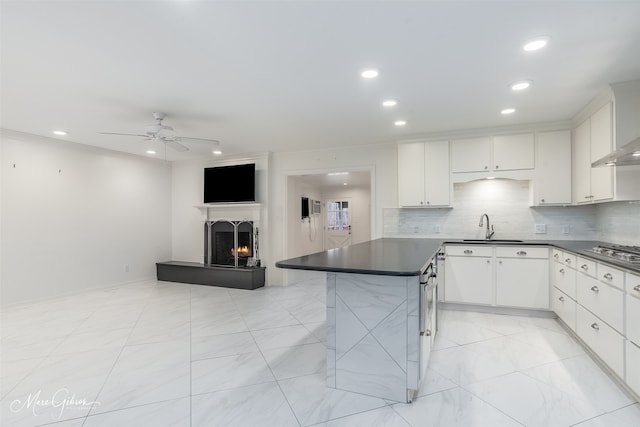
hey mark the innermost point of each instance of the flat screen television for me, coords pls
(305, 207)
(230, 184)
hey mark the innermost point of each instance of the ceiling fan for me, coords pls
(160, 132)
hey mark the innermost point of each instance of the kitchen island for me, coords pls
(376, 309)
(373, 314)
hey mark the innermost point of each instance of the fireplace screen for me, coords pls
(228, 243)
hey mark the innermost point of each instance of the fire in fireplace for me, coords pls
(228, 242)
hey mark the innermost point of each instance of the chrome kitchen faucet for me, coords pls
(489, 234)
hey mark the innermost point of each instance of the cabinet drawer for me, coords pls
(564, 278)
(569, 259)
(632, 371)
(632, 284)
(633, 318)
(587, 266)
(611, 276)
(521, 252)
(557, 255)
(602, 339)
(564, 306)
(604, 301)
(474, 250)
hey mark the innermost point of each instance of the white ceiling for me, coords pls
(277, 75)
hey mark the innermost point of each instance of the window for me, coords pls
(337, 215)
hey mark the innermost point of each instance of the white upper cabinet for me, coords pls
(582, 163)
(498, 153)
(592, 140)
(513, 152)
(471, 155)
(601, 145)
(423, 174)
(552, 182)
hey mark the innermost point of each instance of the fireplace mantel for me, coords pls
(217, 211)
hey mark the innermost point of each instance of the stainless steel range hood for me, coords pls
(628, 155)
(626, 121)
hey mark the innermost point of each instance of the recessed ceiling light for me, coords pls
(491, 177)
(60, 132)
(400, 123)
(344, 183)
(337, 173)
(611, 163)
(508, 111)
(636, 154)
(536, 44)
(389, 103)
(521, 85)
(151, 152)
(217, 152)
(369, 74)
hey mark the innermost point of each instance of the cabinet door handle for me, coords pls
(486, 167)
(585, 267)
(497, 167)
(587, 197)
(541, 200)
(556, 256)
(468, 251)
(595, 289)
(428, 202)
(568, 260)
(488, 262)
(500, 262)
(421, 202)
(561, 270)
(608, 276)
(595, 326)
(636, 288)
(561, 299)
(521, 253)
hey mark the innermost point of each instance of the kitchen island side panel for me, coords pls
(367, 334)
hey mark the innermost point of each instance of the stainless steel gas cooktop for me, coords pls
(630, 254)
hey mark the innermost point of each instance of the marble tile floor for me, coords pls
(167, 354)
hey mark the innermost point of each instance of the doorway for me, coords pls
(344, 199)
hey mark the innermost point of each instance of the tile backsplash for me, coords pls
(507, 204)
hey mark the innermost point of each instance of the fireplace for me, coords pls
(229, 243)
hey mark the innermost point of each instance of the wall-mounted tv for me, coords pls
(305, 207)
(230, 184)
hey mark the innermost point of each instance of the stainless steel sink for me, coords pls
(491, 241)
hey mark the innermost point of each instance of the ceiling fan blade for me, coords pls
(210, 141)
(124, 134)
(176, 146)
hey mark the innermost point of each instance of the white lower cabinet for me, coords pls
(468, 279)
(564, 306)
(564, 278)
(632, 371)
(524, 281)
(605, 341)
(632, 320)
(603, 300)
(520, 277)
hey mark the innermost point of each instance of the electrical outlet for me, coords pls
(541, 229)
(436, 228)
(126, 268)
(566, 229)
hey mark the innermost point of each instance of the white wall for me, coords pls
(303, 236)
(381, 160)
(74, 215)
(619, 222)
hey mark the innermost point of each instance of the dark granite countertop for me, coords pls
(409, 256)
